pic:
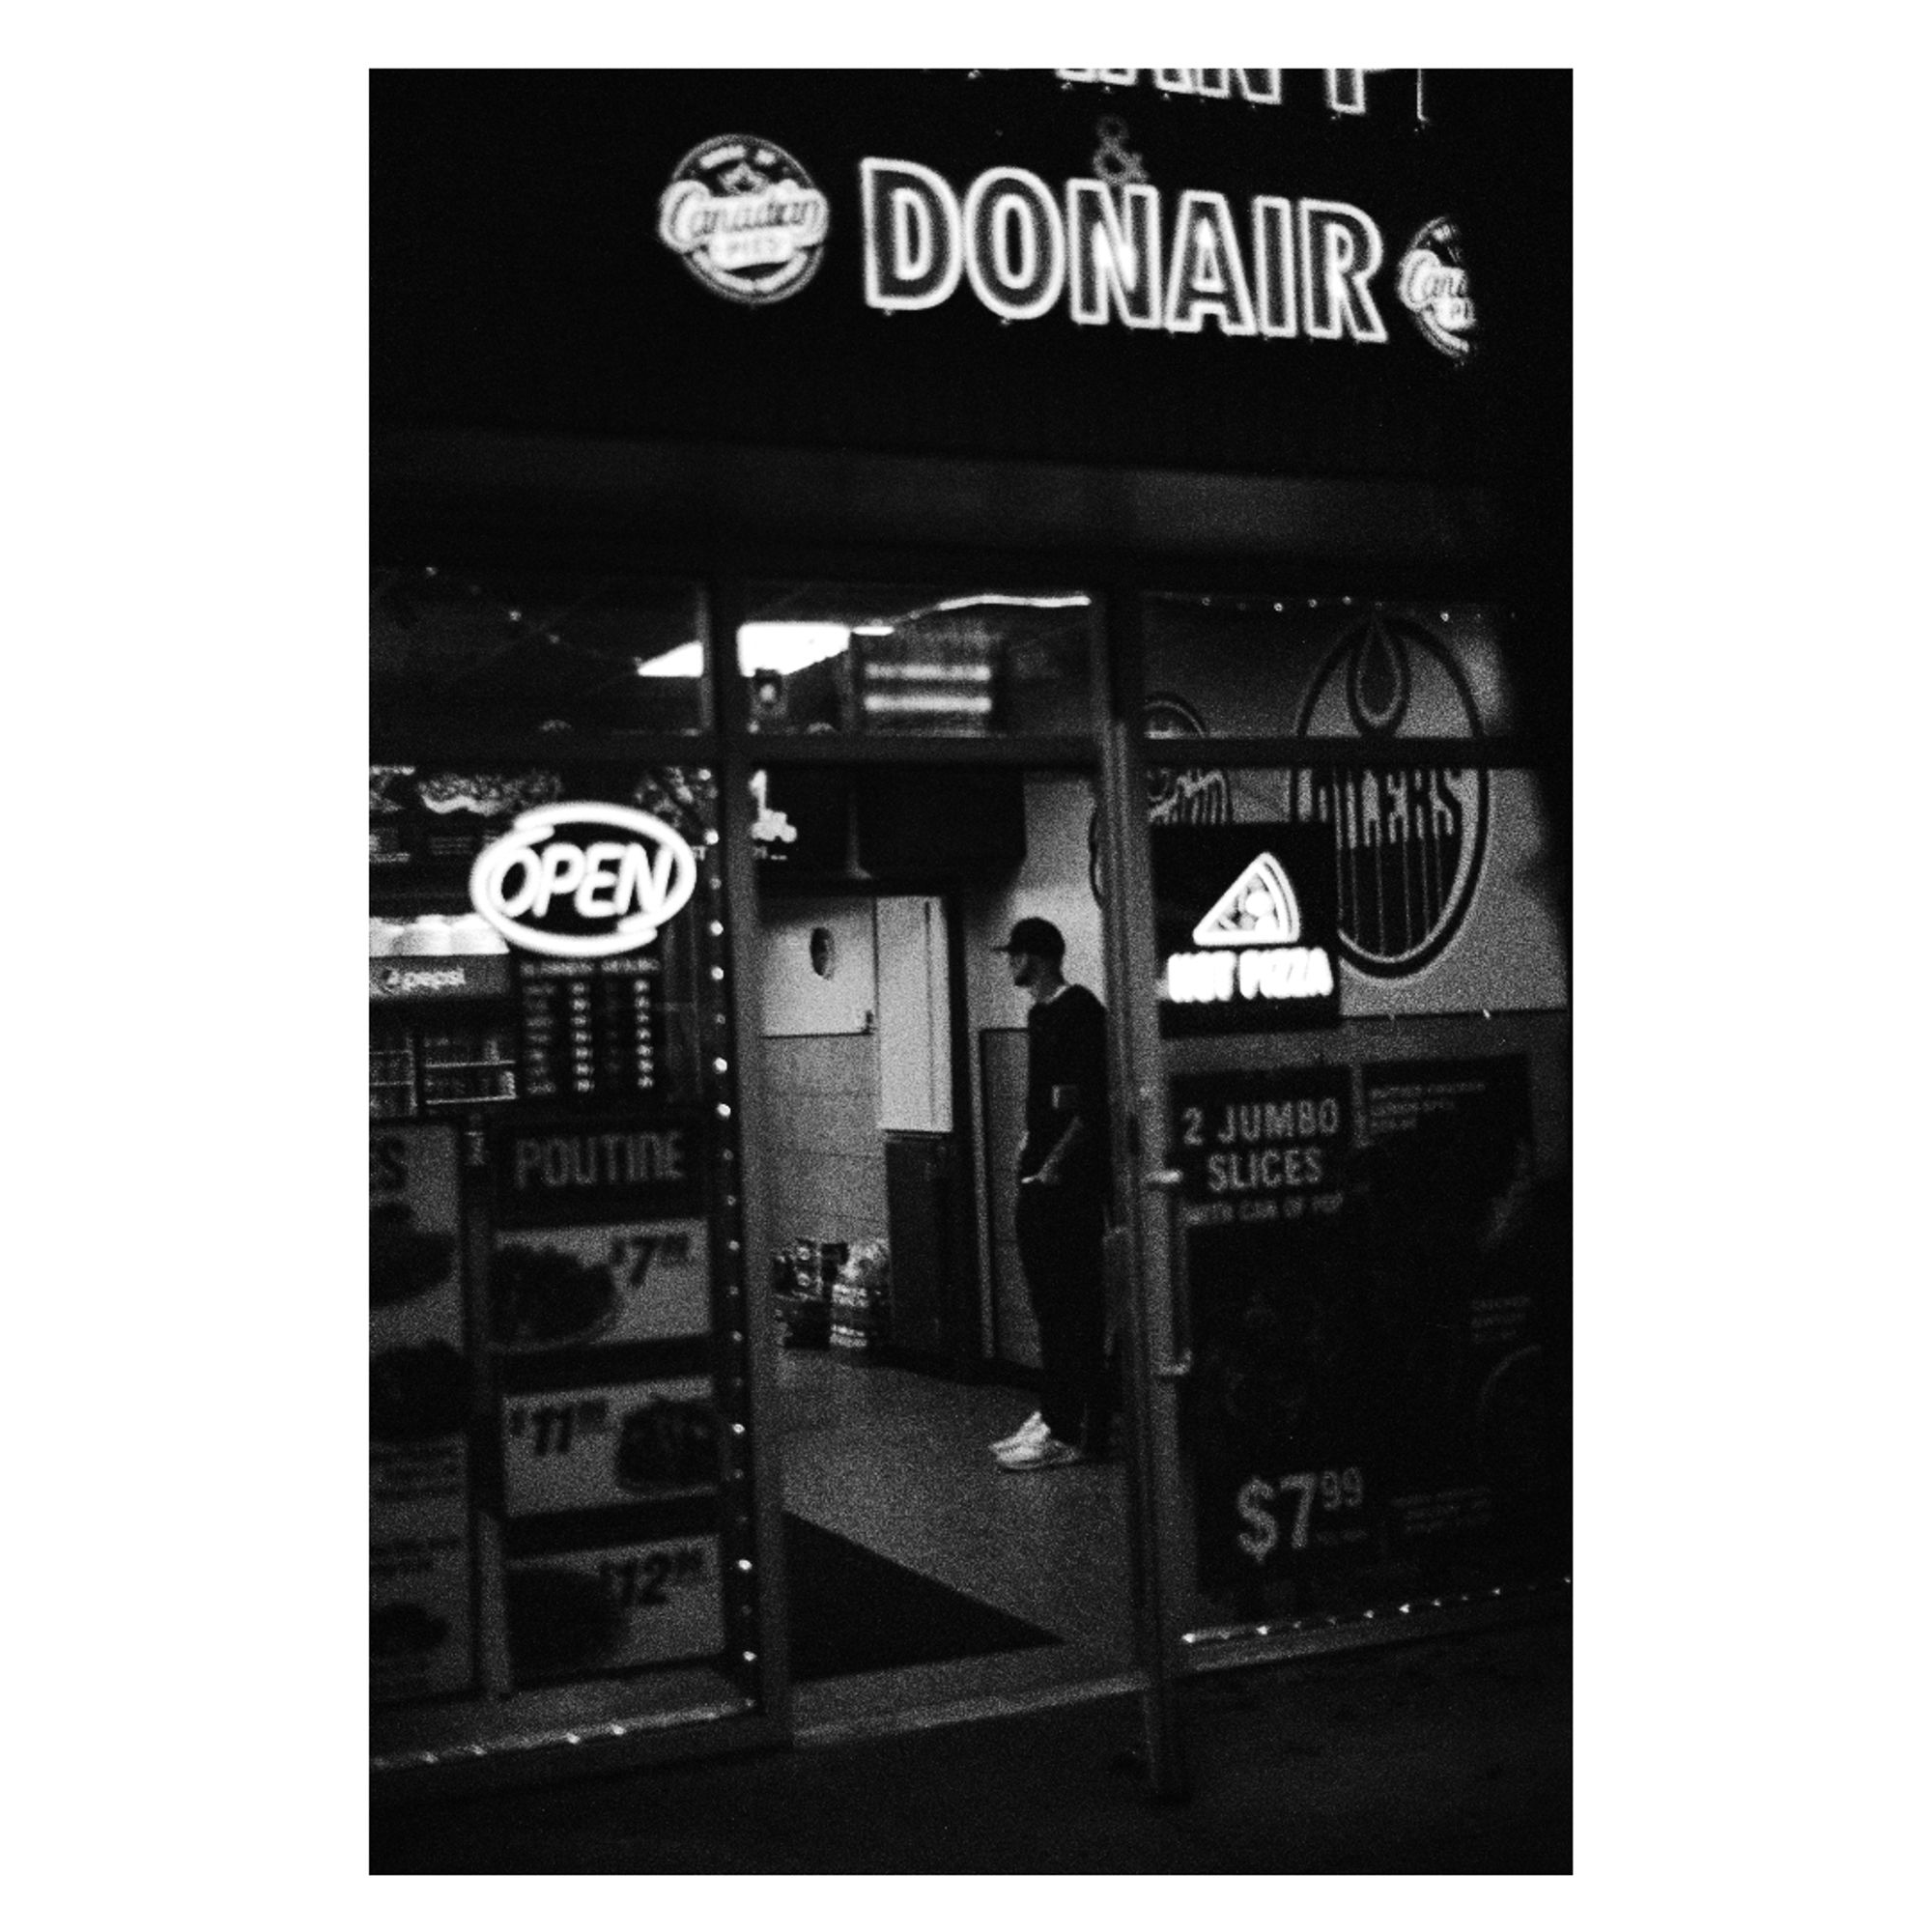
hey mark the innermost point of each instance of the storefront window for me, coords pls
(501, 652)
(1226, 667)
(1362, 999)
(918, 662)
(561, 1500)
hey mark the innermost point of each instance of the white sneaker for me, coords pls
(1034, 1426)
(1042, 1452)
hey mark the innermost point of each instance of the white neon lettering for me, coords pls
(895, 280)
(1010, 220)
(643, 879)
(1348, 89)
(912, 251)
(1199, 979)
(1205, 276)
(1301, 268)
(1274, 263)
(1001, 204)
(654, 872)
(1259, 84)
(1109, 267)
(1341, 248)
(516, 904)
(600, 876)
(561, 872)
(1261, 973)
(691, 216)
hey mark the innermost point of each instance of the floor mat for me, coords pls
(854, 1610)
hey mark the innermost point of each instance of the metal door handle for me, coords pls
(1180, 1364)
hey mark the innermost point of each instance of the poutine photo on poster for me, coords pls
(556, 1288)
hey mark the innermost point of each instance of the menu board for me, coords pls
(611, 1446)
(420, 1585)
(589, 1030)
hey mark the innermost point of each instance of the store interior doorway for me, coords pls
(920, 1571)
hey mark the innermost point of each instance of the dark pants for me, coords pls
(1060, 1231)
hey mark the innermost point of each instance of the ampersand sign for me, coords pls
(1114, 163)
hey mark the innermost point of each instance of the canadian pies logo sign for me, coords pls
(748, 221)
(583, 881)
(1433, 284)
(1246, 928)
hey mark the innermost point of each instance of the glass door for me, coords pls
(919, 758)
(1346, 1047)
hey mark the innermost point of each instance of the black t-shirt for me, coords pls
(1067, 1077)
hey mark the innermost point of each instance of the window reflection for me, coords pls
(503, 652)
(1334, 667)
(923, 662)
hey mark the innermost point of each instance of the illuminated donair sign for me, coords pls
(582, 897)
(1123, 255)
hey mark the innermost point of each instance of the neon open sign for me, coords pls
(551, 885)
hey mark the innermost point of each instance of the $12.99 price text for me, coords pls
(634, 1581)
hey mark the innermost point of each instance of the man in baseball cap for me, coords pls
(1059, 1214)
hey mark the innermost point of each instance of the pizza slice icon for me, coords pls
(1258, 909)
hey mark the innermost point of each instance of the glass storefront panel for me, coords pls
(561, 1498)
(1234, 666)
(506, 651)
(1372, 1189)
(901, 660)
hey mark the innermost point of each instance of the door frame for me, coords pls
(1147, 1259)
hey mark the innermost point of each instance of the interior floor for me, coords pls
(898, 1461)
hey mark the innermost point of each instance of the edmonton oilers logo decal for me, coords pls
(1408, 837)
(747, 219)
(1433, 284)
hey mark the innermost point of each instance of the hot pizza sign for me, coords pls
(1246, 919)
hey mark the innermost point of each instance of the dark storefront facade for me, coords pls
(809, 513)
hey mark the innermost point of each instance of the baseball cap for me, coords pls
(1036, 935)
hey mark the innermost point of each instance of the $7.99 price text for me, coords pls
(1296, 1497)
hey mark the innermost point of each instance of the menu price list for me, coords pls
(589, 1027)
